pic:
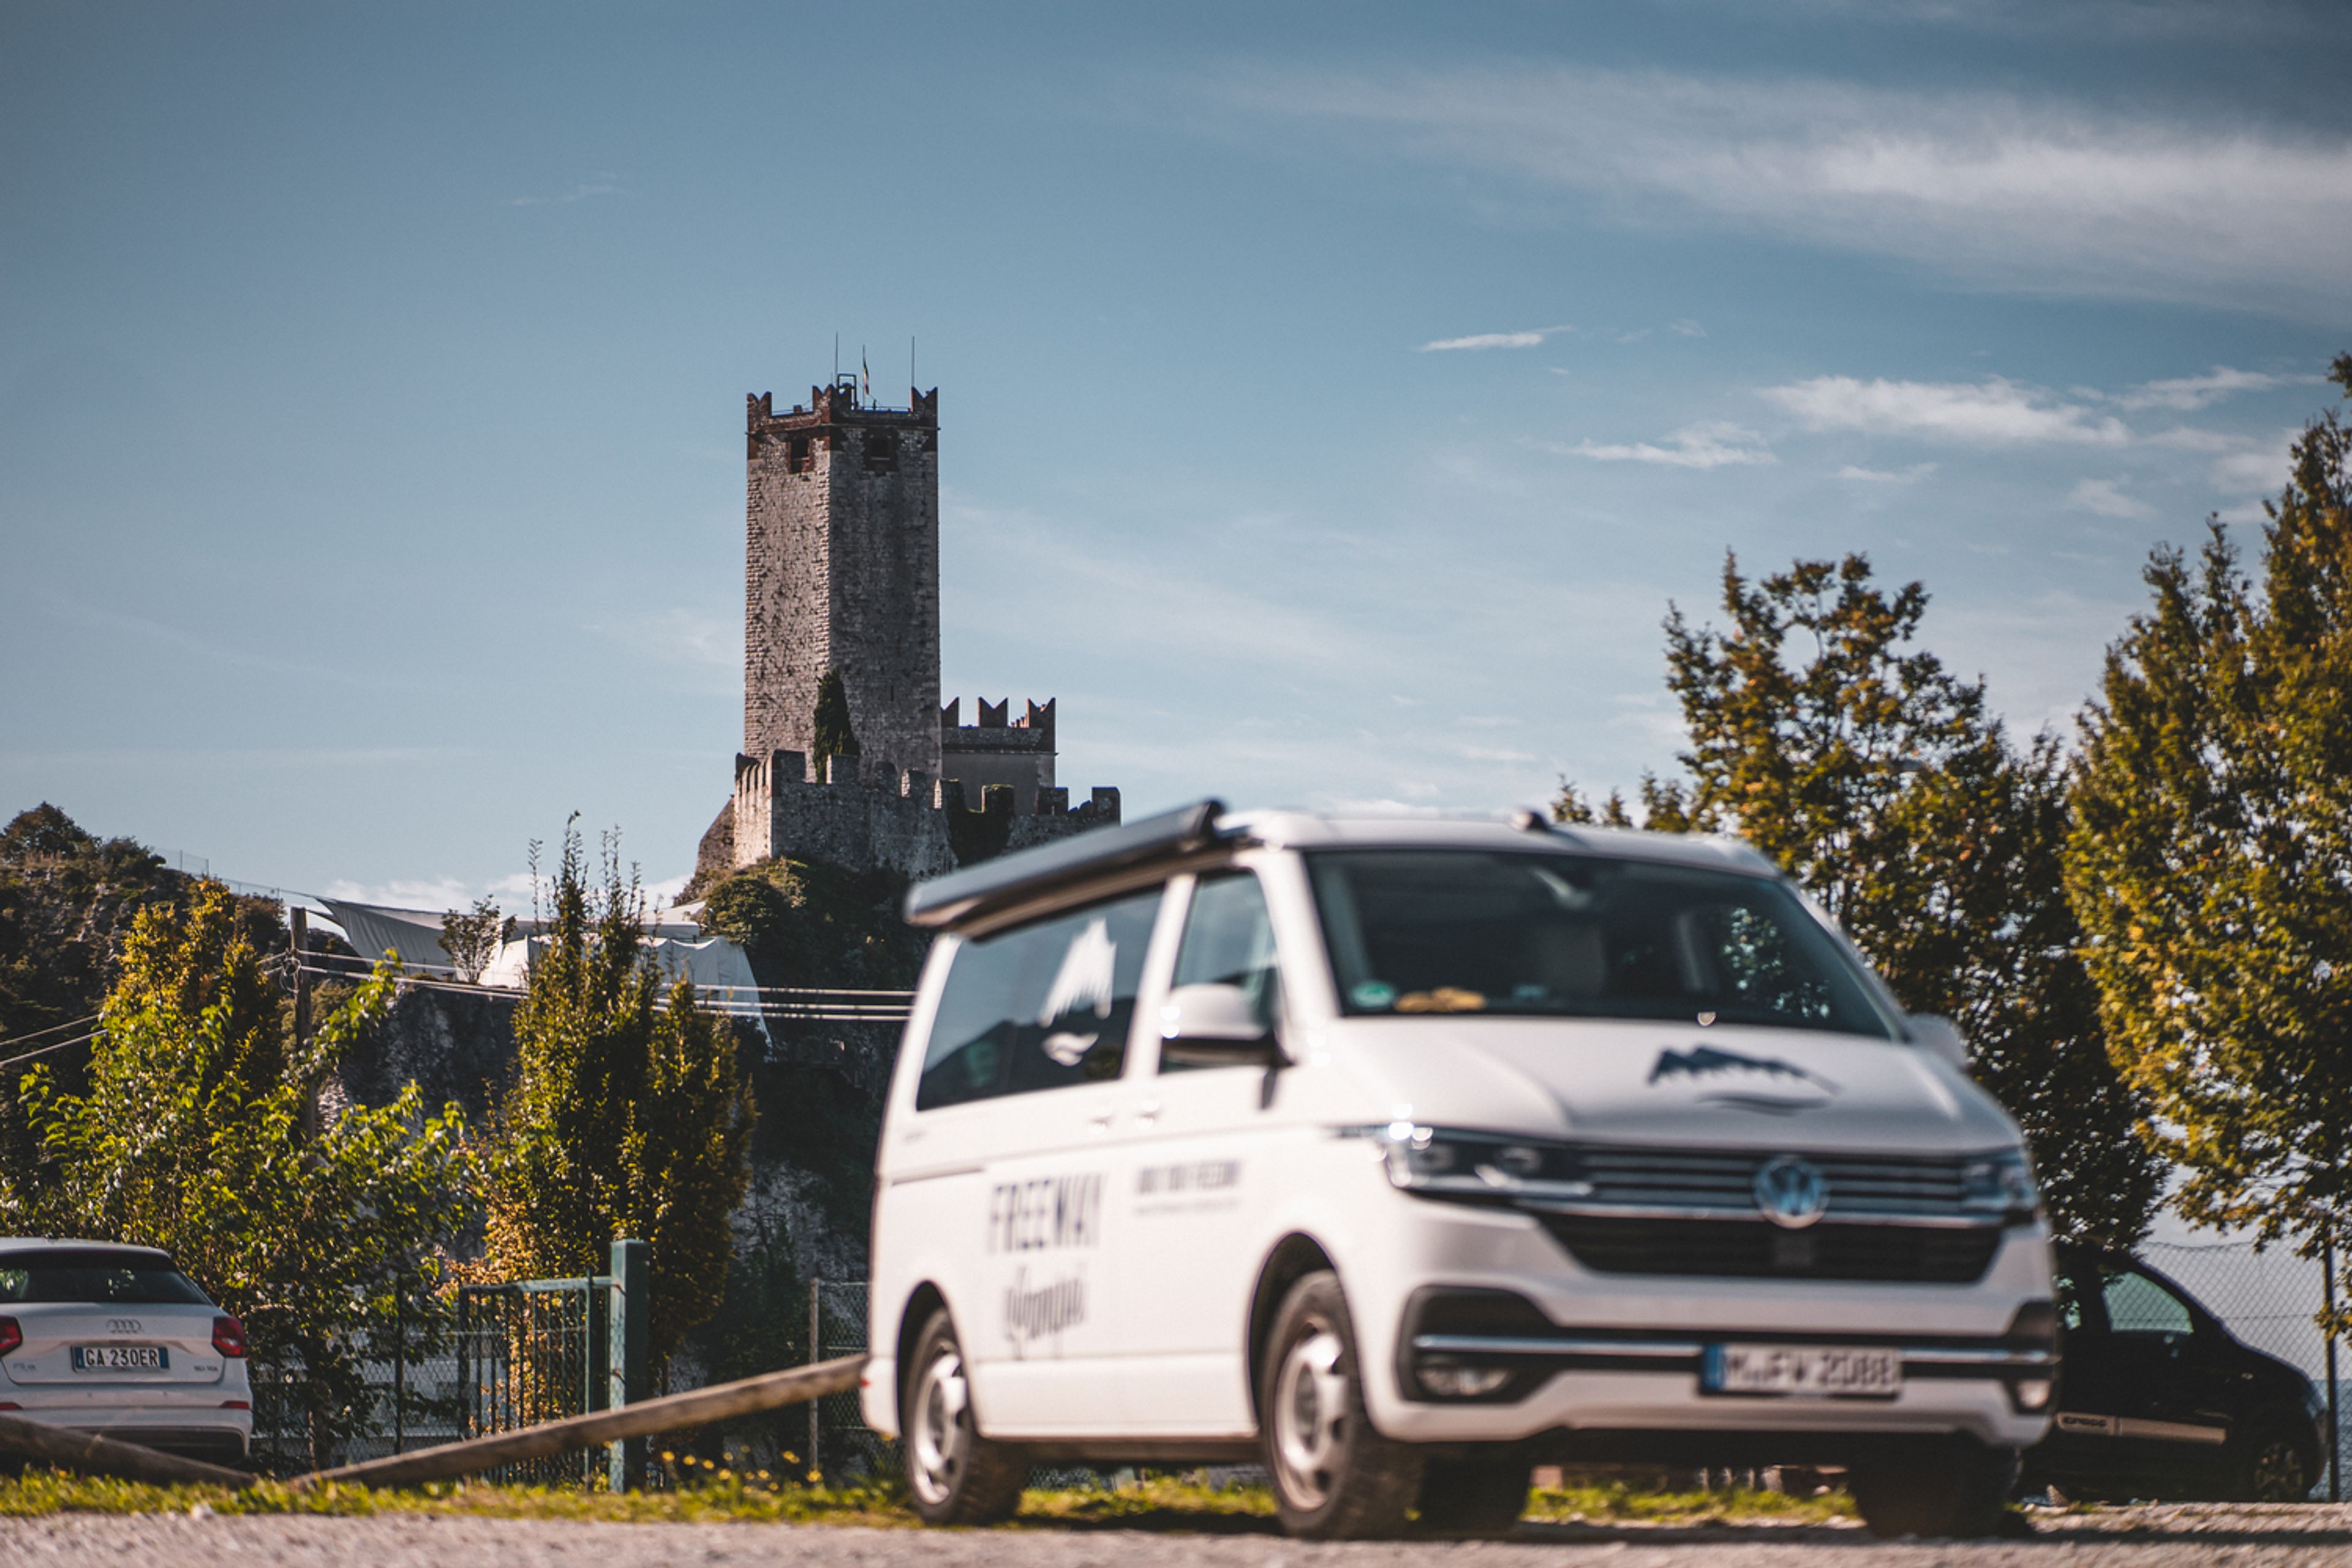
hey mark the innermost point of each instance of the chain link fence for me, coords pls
(488, 1358)
(841, 1446)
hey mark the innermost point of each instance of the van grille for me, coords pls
(1692, 1211)
(1758, 1250)
(1859, 1187)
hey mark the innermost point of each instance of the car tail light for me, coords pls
(228, 1335)
(11, 1336)
(236, 1405)
(10, 1404)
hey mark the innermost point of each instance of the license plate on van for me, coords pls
(119, 1357)
(1803, 1371)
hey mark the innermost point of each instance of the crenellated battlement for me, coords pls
(901, 819)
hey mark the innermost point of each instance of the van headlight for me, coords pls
(2001, 1185)
(1447, 1162)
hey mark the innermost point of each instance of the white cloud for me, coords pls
(2044, 195)
(578, 193)
(407, 893)
(1686, 328)
(1714, 444)
(2257, 464)
(1911, 475)
(1532, 337)
(2106, 497)
(1993, 412)
(2191, 392)
(711, 636)
(2241, 463)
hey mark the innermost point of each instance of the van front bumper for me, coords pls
(1634, 1379)
(1624, 1354)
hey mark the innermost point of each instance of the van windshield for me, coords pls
(1451, 931)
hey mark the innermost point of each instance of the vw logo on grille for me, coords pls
(1792, 1192)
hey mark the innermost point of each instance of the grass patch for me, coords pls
(1164, 1503)
(717, 1501)
(1615, 1502)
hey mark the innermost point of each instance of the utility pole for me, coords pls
(816, 1353)
(298, 921)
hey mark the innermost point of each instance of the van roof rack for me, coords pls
(966, 895)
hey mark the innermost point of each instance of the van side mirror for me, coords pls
(1940, 1036)
(1214, 1026)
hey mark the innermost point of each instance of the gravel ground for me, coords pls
(2244, 1537)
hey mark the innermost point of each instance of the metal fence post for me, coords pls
(2334, 1422)
(816, 1353)
(626, 1332)
(399, 1366)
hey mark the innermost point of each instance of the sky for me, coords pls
(1334, 398)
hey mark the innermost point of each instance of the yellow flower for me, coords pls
(813, 1475)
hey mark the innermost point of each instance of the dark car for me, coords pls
(2157, 1399)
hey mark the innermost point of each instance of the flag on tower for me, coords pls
(868, 375)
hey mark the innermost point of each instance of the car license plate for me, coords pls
(1803, 1371)
(119, 1357)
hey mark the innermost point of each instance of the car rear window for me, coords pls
(68, 1274)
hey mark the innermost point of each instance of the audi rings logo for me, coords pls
(122, 1326)
(1792, 1192)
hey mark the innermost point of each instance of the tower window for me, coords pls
(799, 460)
(881, 451)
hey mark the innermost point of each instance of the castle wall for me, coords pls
(911, 825)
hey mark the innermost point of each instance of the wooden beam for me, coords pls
(94, 1455)
(695, 1408)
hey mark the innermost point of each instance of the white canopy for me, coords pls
(717, 967)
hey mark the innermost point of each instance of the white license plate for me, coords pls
(1803, 1371)
(119, 1358)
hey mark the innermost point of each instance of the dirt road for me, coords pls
(2244, 1537)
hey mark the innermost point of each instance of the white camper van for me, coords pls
(1400, 1156)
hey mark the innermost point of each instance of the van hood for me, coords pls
(1606, 1080)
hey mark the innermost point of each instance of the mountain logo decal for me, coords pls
(1707, 1061)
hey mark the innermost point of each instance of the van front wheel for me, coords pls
(1958, 1488)
(1335, 1478)
(954, 1476)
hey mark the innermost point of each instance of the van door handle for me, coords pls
(1147, 1114)
(1100, 1123)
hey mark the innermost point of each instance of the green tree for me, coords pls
(833, 734)
(2211, 856)
(627, 1115)
(472, 939)
(806, 922)
(1821, 734)
(191, 1137)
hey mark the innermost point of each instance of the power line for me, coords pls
(823, 993)
(53, 1029)
(44, 1050)
(820, 1009)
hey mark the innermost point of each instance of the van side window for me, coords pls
(1229, 941)
(1039, 1006)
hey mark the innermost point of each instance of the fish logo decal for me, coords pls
(1708, 1061)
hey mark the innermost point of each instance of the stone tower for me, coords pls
(842, 573)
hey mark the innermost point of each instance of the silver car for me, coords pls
(106, 1337)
